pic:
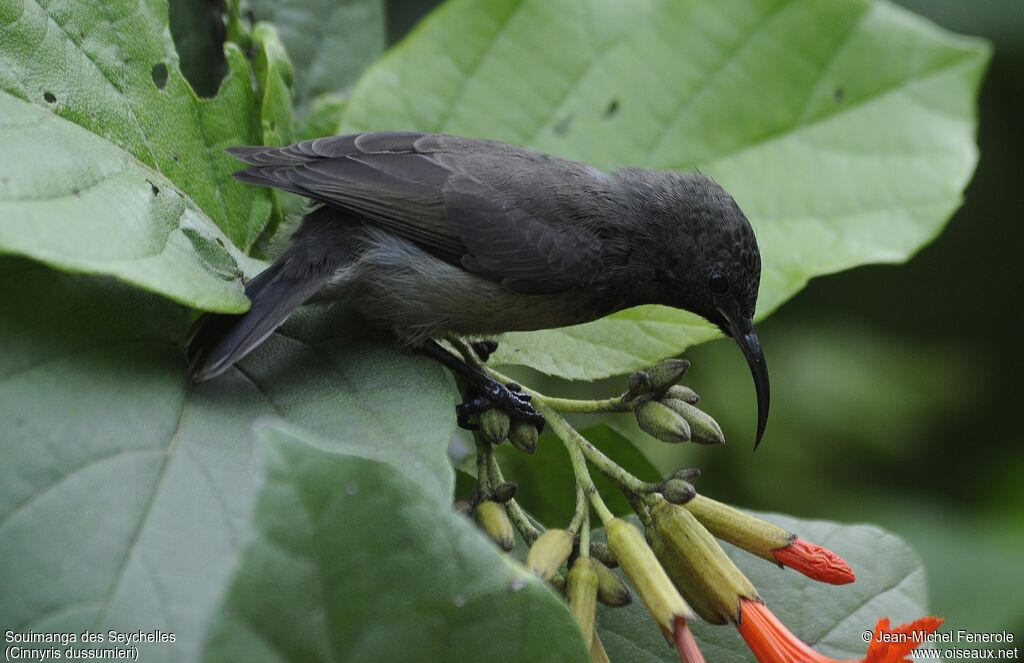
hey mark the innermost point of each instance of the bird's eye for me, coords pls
(718, 283)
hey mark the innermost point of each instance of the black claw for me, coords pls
(484, 349)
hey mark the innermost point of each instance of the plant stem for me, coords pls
(569, 438)
(581, 512)
(466, 350)
(520, 520)
(577, 406)
(585, 534)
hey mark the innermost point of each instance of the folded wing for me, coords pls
(506, 213)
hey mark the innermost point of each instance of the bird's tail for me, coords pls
(216, 341)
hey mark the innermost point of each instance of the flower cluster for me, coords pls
(675, 563)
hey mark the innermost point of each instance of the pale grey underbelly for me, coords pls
(399, 286)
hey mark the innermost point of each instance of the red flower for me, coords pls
(772, 642)
(815, 562)
(685, 644)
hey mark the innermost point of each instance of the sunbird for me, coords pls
(429, 235)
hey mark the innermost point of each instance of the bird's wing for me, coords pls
(496, 210)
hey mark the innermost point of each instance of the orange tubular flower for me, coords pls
(772, 642)
(815, 562)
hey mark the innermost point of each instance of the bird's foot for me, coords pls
(484, 391)
(484, 349)
(509, 397)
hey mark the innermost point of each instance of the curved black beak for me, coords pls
(743, 334)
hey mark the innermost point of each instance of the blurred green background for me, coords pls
(896, 388)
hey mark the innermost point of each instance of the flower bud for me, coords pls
(666, 373)
(683, 393)
(600, 552)
(581, 590)
(505, 491)
(640, 565)
(662, 423)
(549, 552)
(523, 436)
(597, 652)
(494, 521)
(703, 429)
(639, 384)
(738, 528)
(697, 565)
(814, 561)
(494, 425)
(677, 491)
(610, 589)
(688, 474)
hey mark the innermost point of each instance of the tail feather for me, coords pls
(217, 341)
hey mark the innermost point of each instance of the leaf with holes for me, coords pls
(890, 583)
(845, 129)
(124, 490)
(111, 69)
(331, 42)
(350, 561)
(89, 206)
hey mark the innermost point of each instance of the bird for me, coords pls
(430, 235)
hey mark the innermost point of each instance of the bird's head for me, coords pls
(708, 262)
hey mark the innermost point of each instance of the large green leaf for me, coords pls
(330, 42)
(351, 561)
(111, 68)
(89, 206)
(124, 490)
(844, 129)
(890, 583)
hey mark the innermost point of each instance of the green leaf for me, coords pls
(890, 583)
(330, 42)
(274, 76)
(845, 129)
(112, 69)
(322, 116)
(351, 561)
(124, 489)
(107, 213)
(547, 487)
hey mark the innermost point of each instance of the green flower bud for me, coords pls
(523, 436)
(639, 384)
(677, 491)
(581, 590)
(549, 552)
(638, 562)
(689, 474)
(703, 429)
(683, 393)
(597, 652)
(493, 520)
(667, 373)
(697, 565)
(742, 530)
(494, 425)
(661, 422)
(600, 552)
(610, 589)
(503, 492)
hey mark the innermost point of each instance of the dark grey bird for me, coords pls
(429, 235)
